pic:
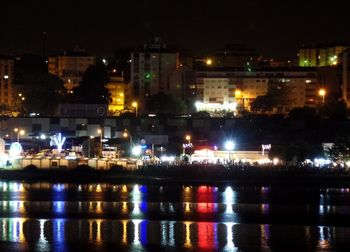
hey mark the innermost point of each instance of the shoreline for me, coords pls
(126, 177)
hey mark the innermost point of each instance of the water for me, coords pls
(130, 217)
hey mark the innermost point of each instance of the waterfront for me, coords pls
(44, 216)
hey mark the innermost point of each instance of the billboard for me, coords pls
(82, 110)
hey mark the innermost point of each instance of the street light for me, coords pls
(99, 131)
(19, 132)
(209, 62)
(229, 145)
(188, 138)
(322, 92)
(126, 135)
(136, 151)
(135, 105)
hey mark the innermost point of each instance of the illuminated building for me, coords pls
(320, 56)
(117, 89)
(70, 66)
(241, 87)
(151, 68)
(346, 76)
(6, 80)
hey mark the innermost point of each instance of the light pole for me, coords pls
(322, 92)
(135, 105)
(91, 137)
(126, 135)
(99, 131)
(229, 145)
(188, 138)
(19, 132)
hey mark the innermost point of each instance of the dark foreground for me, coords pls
(191, 174)
(44, 216)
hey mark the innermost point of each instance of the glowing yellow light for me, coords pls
(15, 129)
(188, 137)
(99, 131)
(121, 94)
(238, 92)
(21, 132)
(125, 134)
(322, 92)
(209, 62)
(134, 104)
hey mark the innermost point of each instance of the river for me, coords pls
(130, 217)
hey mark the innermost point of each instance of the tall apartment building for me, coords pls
(151, 69)
(320, 56)
(70, 67)
(346, 76)
(118, 91)
(227, 89)
(6, 81)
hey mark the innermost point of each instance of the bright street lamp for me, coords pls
(135, 105)
(322, 92)
(99, 131)
(209, 62)
(19, 132)
(188, 138)
(229, 145)
(238, 92)
(126, 135)
(136, 151)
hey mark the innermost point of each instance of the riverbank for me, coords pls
(189, 174)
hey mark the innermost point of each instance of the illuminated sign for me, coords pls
(201, 106)
(265, 147)
(15, 150)
(58, 141)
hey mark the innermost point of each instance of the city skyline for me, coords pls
(275, 29)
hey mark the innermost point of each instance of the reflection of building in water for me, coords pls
(207, 235)
(205, 196)
(188, 243)
(264, 235)
(325, 237)
(136, 232)
(229, 237)
(265, 208)
(229, 199)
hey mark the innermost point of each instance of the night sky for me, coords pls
(274, 28)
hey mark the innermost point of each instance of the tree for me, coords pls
(165, 104)
(92, 88)
(43, 95)
(41, 91)
(334, 109)
(277, 97)
(340, 151)
(303, 113)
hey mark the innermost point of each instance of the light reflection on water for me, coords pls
(188, 217)
(138, 232)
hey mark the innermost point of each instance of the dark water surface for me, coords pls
(85, 217)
